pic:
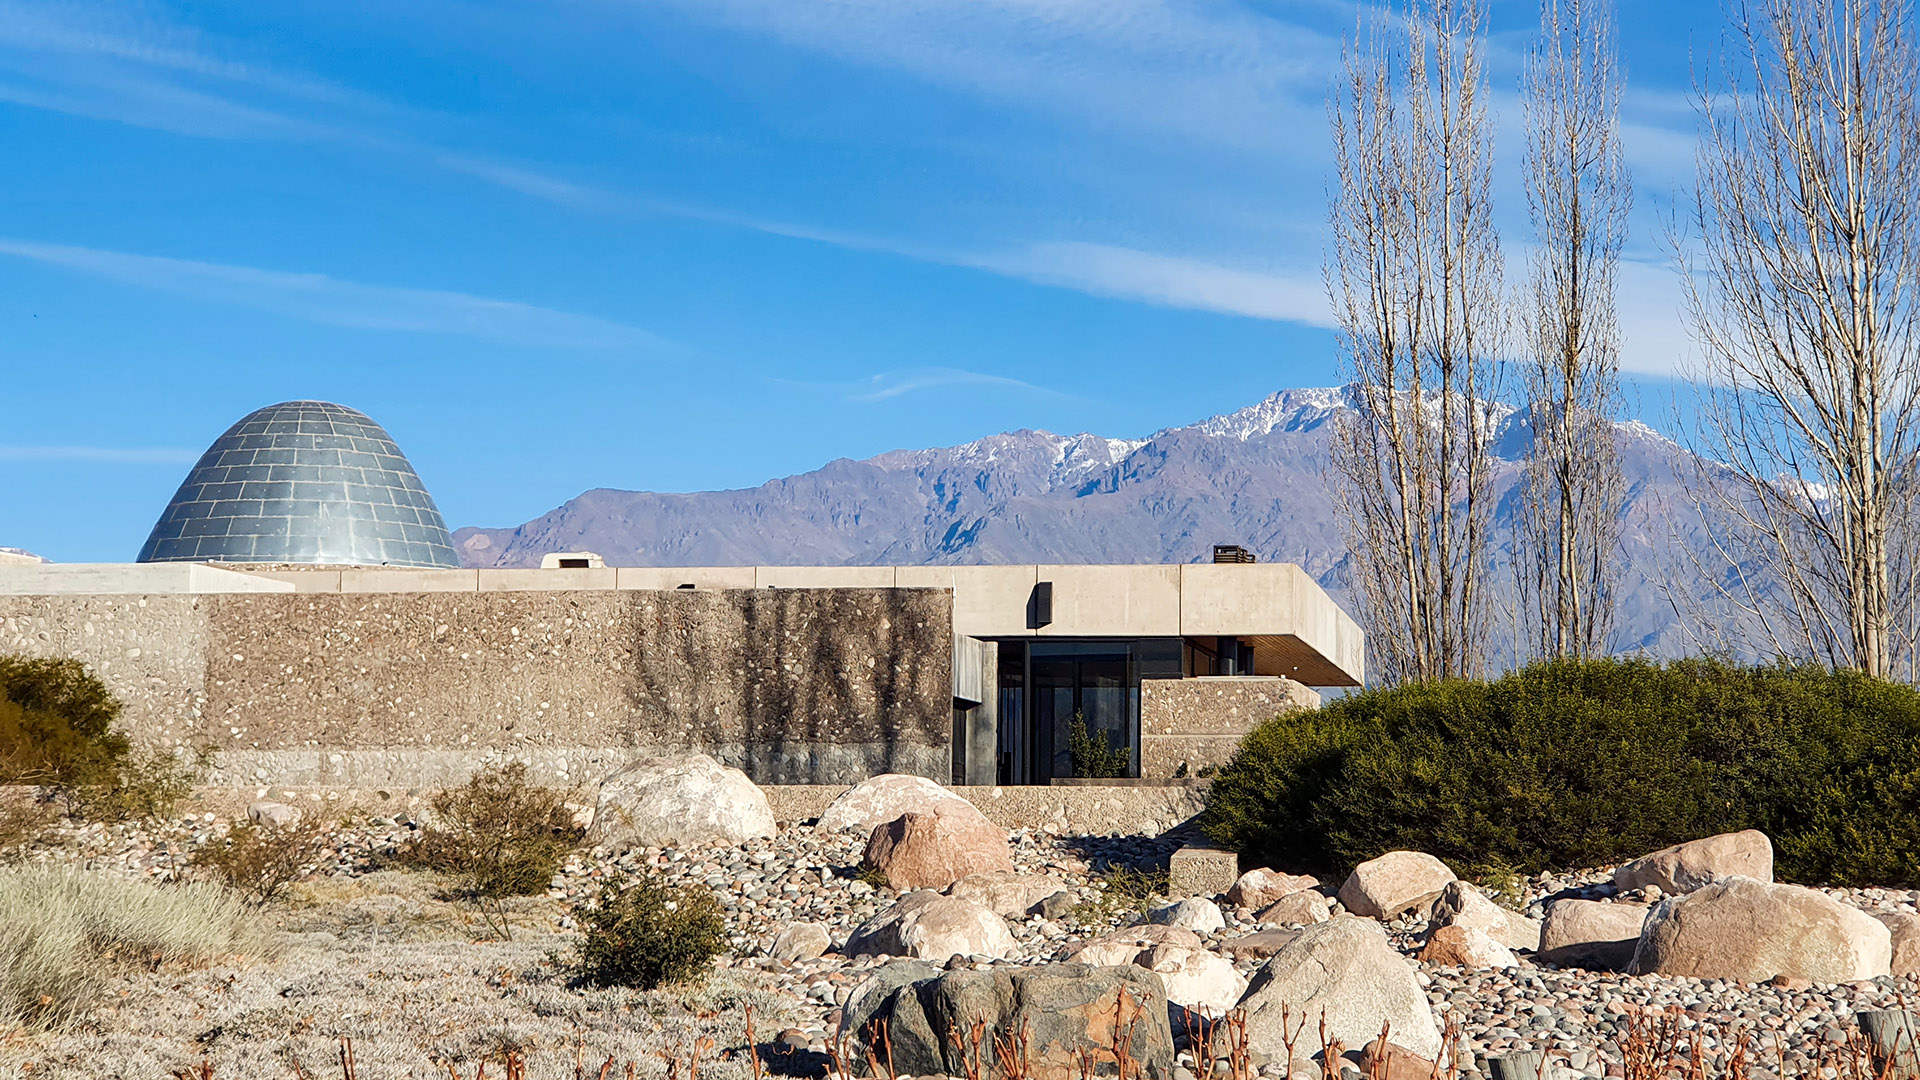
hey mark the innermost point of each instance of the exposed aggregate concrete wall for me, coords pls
(416, 689)
(1199, 722)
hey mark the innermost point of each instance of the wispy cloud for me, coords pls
(1217, 72)
(892, 384)
(107, 62)
(332, 301)
(1166, 280)
(109, 455)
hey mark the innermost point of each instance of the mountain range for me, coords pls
(1254, 477)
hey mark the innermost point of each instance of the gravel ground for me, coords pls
(373, 954)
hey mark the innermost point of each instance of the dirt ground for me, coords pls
(420, 988)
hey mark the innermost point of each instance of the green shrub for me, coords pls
(1120, 893)
(56, 730)
(56, 724)
(651, 934)
(261, 861)
(63, 931)
(1572, 764)
(1093, 754)
(497, 836)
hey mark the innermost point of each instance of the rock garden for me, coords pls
(669, 925)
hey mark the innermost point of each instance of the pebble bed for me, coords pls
(806, 875)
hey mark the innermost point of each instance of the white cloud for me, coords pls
(111, 455)
(893, 384)
(335, 302)
(1166, 280)
(1654, 339)
(1217, 72)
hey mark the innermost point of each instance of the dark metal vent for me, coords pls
(1232, 553)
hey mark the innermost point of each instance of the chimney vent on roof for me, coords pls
(1232, 553)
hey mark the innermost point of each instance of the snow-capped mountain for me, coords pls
(1255, 476)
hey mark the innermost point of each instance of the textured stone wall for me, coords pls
(414, 689)
(1199, 722)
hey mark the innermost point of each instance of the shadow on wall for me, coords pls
(796, 685)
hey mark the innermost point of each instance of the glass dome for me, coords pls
(306, 482)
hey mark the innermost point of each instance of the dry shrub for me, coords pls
(499, 835)
(1121, 891)
(23, 819)
(262, 860)
(651, 934)
(62, 932)
(145, 783)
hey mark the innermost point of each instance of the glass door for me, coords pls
(1083, 709)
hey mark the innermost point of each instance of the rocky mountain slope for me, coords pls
(1254, 477)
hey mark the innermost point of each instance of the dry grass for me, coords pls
(262, 861)
(63, 931)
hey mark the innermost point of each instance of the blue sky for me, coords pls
(681, 245)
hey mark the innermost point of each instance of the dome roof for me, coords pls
(303, 482)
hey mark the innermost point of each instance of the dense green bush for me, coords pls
(1585, 763)
(56, 724)
(650, 934)
(56, 731)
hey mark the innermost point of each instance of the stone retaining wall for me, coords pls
(1076, 810)
(417, 689)
(1190, 725)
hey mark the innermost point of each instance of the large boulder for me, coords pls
(877, 800)
(1906, 942)
(1455, 945)
(1129, 940)
(272, 815)
(927, 926)
(800, 941)
(1064, 1012)
(1260, 888)
(1751, 931)
(1461, 904)
(932, 851)
(1591, 934)
(1193, 977)
(1387, 1061)
(679, 800)
(1296, 909)
(1258, 945)
(1009, 894)
(1346, 971)
(1396, 882)
(1198, 914)
(1695, 864)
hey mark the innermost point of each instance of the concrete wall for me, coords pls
(1199, 722)
(414, 688)
(1277, 605)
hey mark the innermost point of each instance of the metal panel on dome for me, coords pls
(306, 482)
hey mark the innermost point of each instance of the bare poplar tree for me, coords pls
(1578, 193)
(1414, 278)
(1801, 289)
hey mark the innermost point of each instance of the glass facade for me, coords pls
(1047, 686)
(304, 482)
